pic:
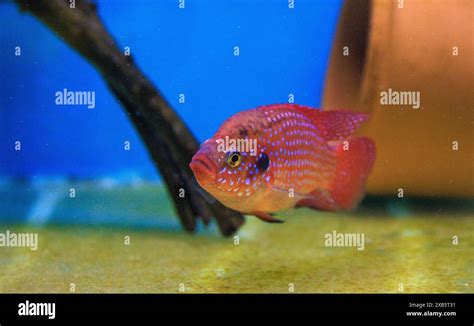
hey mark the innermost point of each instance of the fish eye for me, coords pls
(263, 162)
(234, 159)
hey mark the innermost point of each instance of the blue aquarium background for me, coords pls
(190, 52)
(221, 57)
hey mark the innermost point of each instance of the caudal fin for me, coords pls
(355, 160)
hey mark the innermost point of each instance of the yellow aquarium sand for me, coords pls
(422, 254)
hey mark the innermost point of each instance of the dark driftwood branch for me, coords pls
(169, 141)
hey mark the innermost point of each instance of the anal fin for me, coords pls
(319, 199)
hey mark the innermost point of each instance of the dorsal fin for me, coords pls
(335, 125)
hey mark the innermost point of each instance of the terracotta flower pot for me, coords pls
(425, 47)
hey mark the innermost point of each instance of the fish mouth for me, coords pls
(203, 167)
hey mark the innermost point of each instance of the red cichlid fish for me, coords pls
(301, 157)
